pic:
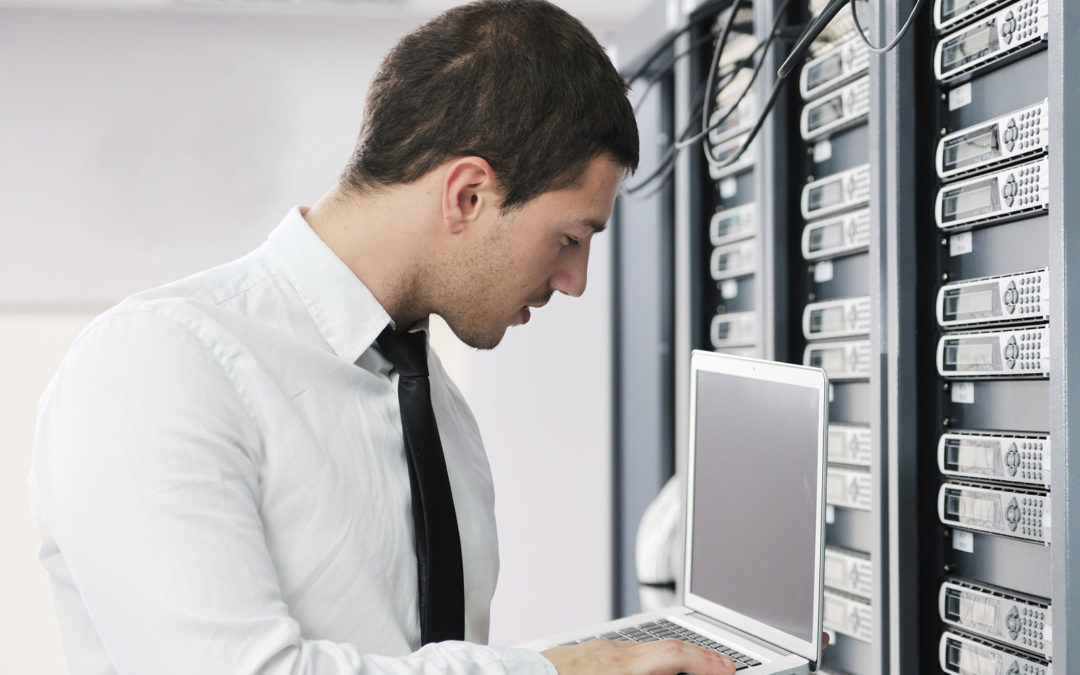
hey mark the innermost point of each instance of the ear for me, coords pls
(469, 190)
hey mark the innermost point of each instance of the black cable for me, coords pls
(753, 78)
(769, 103)
(899, 35)
(795, 56)
(752, 134)
(663, 70)
(666, 166)
(670, 39)
(718, 53)
(732, 68)
(704, 133)
(658, 50)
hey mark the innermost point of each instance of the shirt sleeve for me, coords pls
(146, 476)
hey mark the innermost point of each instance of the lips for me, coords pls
(525, 315)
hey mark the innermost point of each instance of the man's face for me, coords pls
(527, 255)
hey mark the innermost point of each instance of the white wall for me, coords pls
(31, 343)
(140, 147)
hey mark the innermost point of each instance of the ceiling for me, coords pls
(593, 10)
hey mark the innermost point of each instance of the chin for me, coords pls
(478, 339)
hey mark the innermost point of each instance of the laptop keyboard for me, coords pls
(662, 629)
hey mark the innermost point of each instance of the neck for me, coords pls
(379, 236)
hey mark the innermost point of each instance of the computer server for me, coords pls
(831, 314)
(987, 339)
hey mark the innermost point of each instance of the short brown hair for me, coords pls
(520, 83)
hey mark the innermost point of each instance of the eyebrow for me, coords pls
(595, 225)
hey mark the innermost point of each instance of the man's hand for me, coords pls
(663, 657)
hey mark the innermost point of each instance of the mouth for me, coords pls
(524, 315)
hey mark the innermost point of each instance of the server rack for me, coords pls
(948, 447)
(985, 473)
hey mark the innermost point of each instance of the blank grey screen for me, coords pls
(755, 497)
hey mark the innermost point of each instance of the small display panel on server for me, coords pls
(961, 654)
(844, 317)
(1006, 33)
(1013, 512)
(1012, 137)
(849, 488)
(952, 13)
(832, 237)
(841, 63)
(1014, 192)
(996, 614)
(1023, 352)
(839, 192)
(733, 260)
(996, 456)
(846, 106)
(850, 444)
(734, 329)
(1008, 298)
(849, 571)
(734, 224)
(848, 615)
(843, 361)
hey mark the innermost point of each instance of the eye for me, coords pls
(570, 241)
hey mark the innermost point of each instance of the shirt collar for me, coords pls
(345, 311)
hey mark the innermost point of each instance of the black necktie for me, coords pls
(438, 546)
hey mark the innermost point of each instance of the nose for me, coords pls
(573, 271)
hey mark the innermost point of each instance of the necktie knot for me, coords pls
(407, 351)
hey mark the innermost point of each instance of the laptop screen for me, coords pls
(755, 498)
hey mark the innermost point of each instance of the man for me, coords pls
(227, 473)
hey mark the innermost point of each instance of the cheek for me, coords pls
(528, 270)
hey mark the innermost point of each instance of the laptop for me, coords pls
(754, 513)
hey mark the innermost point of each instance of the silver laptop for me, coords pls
(755, 529)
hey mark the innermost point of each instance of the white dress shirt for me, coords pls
(220, 482)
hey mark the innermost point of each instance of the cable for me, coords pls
(667, 42)
(795, 56)
(663, 70)
(777, 86)
(657, 51)
(733, 68)
(715, 63)
(704, 133)
(899, 36)
(666, 166)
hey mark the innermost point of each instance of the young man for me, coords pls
(241, 472)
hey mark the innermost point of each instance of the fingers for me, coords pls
(663, 657)
(660, 657)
